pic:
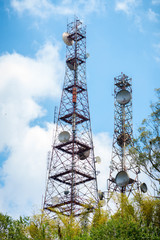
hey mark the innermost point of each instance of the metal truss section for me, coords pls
(124, 172)
(71, 183)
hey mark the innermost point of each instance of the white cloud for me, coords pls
(24, 172)
(155, 2)
(24, 80)
(127, 6)
(45, 8)
(138, 22)
(152, 16)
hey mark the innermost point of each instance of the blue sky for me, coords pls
(122, 36)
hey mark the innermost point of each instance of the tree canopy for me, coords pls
(134, 219)
(147, 144)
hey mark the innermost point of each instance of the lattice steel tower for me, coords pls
(71, 181)
(123, 168)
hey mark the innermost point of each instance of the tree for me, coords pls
(147, 145)
(13, 229)
(42, 227)
(134, 219)
(147, 210)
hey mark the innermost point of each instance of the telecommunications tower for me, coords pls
(124, 171)
(71, 182)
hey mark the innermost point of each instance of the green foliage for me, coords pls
(147, 144)
(124, 207)
(13, 229)
(68, 227)
(138, 219)
(42, 227)
(100, 217)
(147, 210)
(124, 228)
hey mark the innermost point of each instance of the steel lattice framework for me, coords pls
(124, 172)
(71, 181)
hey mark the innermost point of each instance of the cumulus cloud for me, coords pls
(127, 6)
(45, 8)
(152, 16)
(23, 81)
(24, 172)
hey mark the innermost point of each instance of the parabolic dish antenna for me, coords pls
(123, 97)
(66, 38)
(66, 191)
(143, 187)
(84, 155)
(123, 137)
(122, 179)
(71, 64)
(100, 194)
(64, 137)
(87, 55)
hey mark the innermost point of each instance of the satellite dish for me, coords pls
(123, 97)
(66, 191)
(98, 159)
(122, 179)
(84, 155)
(102, 203)
(87, 55)
(55, 200)
(64, 137)
(66, 38)
(143, 187)
(123, 137)
(71, 64)
(101, 195)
